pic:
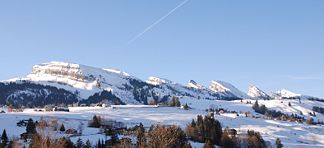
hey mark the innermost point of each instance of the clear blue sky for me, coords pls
(273, 44)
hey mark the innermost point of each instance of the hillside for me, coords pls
(60, 82)
(86, 81)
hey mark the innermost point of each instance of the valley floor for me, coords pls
(291, 134)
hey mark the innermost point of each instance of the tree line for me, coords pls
(209, 131)
(318, 109)
(205, 130)
(262, 109)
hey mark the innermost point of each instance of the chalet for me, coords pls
(102, 105)
(211, 114)
(232, 132)
(61, 109)
(38, 110)
(221, 111)
(49, 108)
(15, 110)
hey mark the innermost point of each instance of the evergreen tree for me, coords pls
(213, 130)
(278, 143)
(99, 144)
(172, 102)
(193, 123)
(4, 138)
(177, 102)
(260, 109)
(103, 144)
(186, 107)
(69, 143)
(263, 109)
(95, 122)
(256, 105)
(299, 100)
(65, 142)
(31, 127)
(79, 143)
(87, 144)
(199, 120)
(62, 128)
(255, 140)
(113, 138)
(141, 140)
(204, 129)
(226, 141)
(187, 145)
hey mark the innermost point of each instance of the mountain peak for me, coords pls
(284, 93)
(117, 71)
(194, 84)
(86, 81)
(216, 86)
(257, 93)
(226, 88)
(158, 81)
(63, 68)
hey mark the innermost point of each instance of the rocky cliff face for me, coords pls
(60, 69)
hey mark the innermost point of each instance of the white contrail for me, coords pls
(157, 22)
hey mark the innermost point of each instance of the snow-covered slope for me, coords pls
(86, 81)
(292, 134)
(193, 89)
(167, 87)
(285, 94)
(158, 81)
(195, 85)
(257, 93)
(226, 89)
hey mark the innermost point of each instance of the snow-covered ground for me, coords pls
(292, 134)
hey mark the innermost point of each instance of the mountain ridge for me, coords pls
(86, 81)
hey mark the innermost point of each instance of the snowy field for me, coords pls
(292, 134)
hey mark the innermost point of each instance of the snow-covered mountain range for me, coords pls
(87, 82)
